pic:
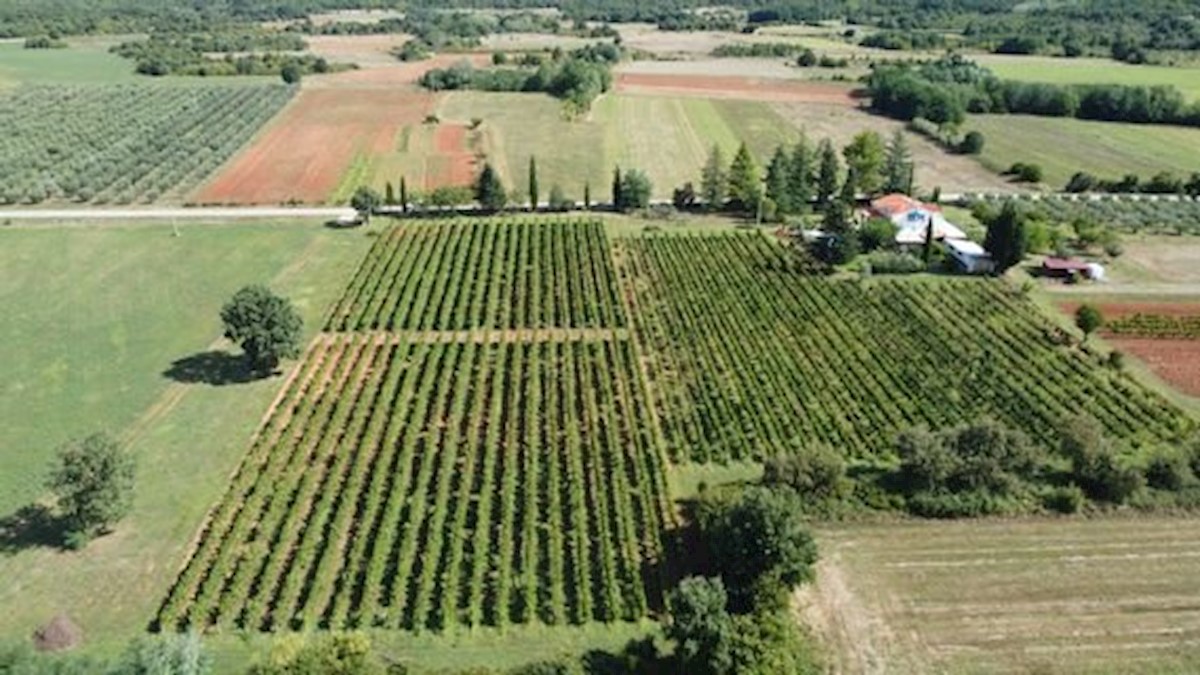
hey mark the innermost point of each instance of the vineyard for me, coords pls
(748, 356)
(1155, 326)
(124, 144)
(489, 274)
(433, 479)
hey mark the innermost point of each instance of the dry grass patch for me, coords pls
(1087, 596)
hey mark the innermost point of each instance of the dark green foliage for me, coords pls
(817, 472)
(404, 194)
(1025, 172)
(827, 175)
(877, 233)
(587, 196)
(415, 50)
(617, 185)
(366, 201)
(701, 626)
(389, 194)
(972, 143)
(159, 655)
(266, 326)
(558, 200)
(92, 481)
(291, 73)
(489, 191)
(1096, 462)
(758, 50)
(778, 172)
(1066, 499)
(1168, 469)
(684, 196)
(769, 641)
(898, 165)
(760, 542)
(534, 197)
(248, 52)
(714, 180)
(745, 187)
(44, 42)
(1005, 239)
(982, 457)
(1088, 318)
(800, 175)
(634, 191)
(807, 59)
(891, 262)
(865, 159)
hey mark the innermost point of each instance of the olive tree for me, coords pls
(266, 326)
(93, 481)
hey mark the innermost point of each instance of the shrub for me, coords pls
(888, 262)
(1025, 173)
(877, 233)
(1067, 499)
(816, 472)
(972, 143)
(1168, 469)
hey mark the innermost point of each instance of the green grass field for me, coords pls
(78, 64)
(1063, 146)
(668, 138)
(1090, 71)
(95, 316)
(1114, 595)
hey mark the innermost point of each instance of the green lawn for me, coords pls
(1062, 146)
(94, 316)
(1090, 71)
(668, 138)
(79, 64)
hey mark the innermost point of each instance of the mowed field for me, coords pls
(1063, 146)
(116, 329)
(1090, 71)
(1062, 596)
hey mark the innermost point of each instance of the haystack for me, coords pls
(61, 633)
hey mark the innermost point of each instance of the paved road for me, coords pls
(168, 213)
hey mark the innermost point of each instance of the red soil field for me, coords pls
(397, 73)
(454, 163)
(1177, 362)
(746, 88)
(305, 152)
(1114, 310)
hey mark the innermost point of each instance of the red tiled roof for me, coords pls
(894, 204)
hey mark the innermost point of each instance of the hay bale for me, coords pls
(61, 633)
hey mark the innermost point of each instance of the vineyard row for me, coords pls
(747, 357)
(490, 274)
(437, 485)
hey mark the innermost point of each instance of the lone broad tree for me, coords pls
(93, 480)
(265, 325)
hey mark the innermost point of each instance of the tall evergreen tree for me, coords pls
(744, 180)
(617, 185)
(533, 185)
(927, 251)
(389, 194)
(865, 155)
(587, 196)
(827, 177)
(898, 166)
(489, 191)
(404, 194)
(1006, 239)
(849, 194)
(713, 180)
(800, 177)
(778, 173)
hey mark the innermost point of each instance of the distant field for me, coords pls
(1090, 71)
(1061, 596)
(75, 65)
(115, 328)
(1062, 146)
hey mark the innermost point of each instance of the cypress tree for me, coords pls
(404, 194)
(533, 185)
(618, 200)
(927, 252)
(800, 178)
(744, 180)
(713, 180)
(587, 196)
(898, 167)
(389, 194)
(827, 178)
(778, 173)
(1005, 239)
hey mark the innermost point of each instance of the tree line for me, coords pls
(945, 90)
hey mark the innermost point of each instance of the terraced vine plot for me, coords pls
(124, 143)
(484, 274)
(746, 354)
(428, 485)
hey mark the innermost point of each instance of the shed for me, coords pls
(1065, 267)
(969, 256)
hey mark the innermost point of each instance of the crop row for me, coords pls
(427, 486)
(124, 143)
(1155, 326)
(490, 274)
(748, 358)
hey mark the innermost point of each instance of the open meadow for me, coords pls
(116, 328)
(1055, 70)
(1114, 595)
(1063, 146)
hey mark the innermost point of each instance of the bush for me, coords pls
(877, 233)
(816, 472)
(1168, 469)
(888, 262)
(1068, 499)
(1025, 173)
(972, 143)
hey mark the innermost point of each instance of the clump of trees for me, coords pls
(246, 52)
(266, 326)
(92, 481)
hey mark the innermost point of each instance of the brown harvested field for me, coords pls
(745, 88)
(394, 73)
(454, 163)
(305, 152)
(1105, 595)
(1119, 308)
(1176, 362)
(935, 167)
(364, 50)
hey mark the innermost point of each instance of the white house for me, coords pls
(969, 256)
(911, 218)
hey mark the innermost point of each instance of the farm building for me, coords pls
(911, 218)
(1068, 267)
(969, 256)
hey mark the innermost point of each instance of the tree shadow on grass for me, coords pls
(31, 526)
(214, 368)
